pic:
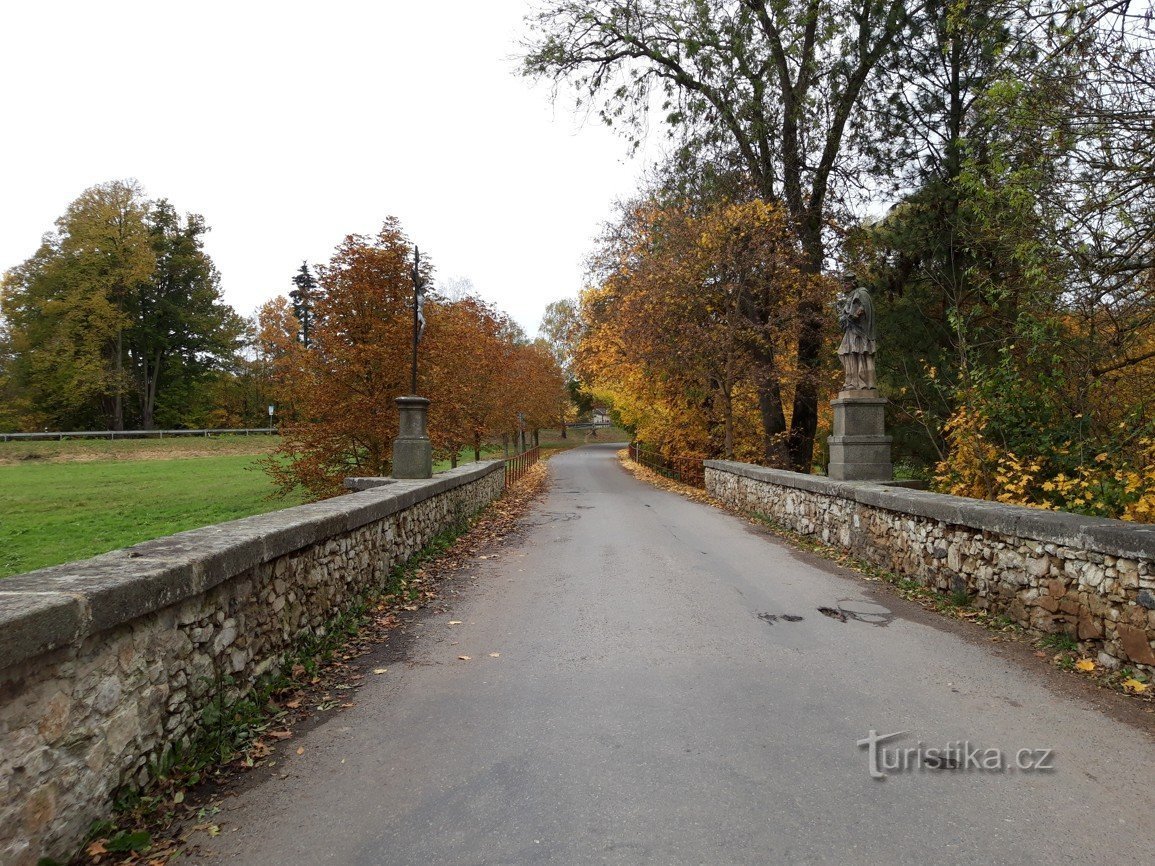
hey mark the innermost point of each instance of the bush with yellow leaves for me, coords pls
(1119, 481)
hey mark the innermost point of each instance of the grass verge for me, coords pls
(55, 512)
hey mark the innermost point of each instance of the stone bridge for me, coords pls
(636, 678)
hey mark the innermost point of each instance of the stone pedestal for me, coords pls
(859, 447)
(412, 450)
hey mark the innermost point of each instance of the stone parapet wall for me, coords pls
(1052, 571)
(107, 663)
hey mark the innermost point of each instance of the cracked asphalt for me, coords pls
(651, 681)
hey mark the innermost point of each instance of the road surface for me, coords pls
(650, 703)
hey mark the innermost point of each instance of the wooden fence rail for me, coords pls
(688, 470)
(132, 434)
(517, 465)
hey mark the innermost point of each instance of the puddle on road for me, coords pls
(859, 610)
(771, 618)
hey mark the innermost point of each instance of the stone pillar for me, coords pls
(859, 446)
(412, 450)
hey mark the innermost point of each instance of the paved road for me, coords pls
(641, 711)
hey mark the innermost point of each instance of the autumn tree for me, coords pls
(466, 353)
(474, 365)
(120, 302)
(357, 364)
(68, 309)
(561, 328)
(690, 330)
(772, 89)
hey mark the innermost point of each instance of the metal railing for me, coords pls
(517, 465)
(60, 436)
(687, 470)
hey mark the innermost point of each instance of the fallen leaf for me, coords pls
(1041, 654)
(1085, 664)
(1134, 686)
(178, 798)
(96, 848)
(294, 705)
(466, 658)
(380, 670)
(300, 750)
(495, 655)
(280, 735)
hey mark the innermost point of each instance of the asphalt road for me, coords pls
(645, 707)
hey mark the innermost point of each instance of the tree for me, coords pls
(772, 88)
(344, 385)
(120, 302)
(689, 330)
(302, 298)
(561, 327)
(182, 330)
(69, 308)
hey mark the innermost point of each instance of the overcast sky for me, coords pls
(289, 125)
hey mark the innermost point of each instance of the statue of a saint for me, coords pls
(856, 352)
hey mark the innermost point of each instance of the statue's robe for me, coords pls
(857, 322)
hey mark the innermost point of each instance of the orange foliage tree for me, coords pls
(342, 387)
(691, 331)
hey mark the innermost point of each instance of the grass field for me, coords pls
(61, 501)
(74, 450)
(71, 500)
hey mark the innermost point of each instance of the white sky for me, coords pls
(289, 125)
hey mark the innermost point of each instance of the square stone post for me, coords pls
(412, 450)
(859, 446)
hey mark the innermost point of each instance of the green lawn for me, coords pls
(61, 501)
(53, 512)
(22, 451)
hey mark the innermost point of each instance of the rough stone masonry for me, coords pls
(1090, 577)
(107, 663)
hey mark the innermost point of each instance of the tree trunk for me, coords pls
(118, 395)
(563, 436)
(804, 415)
(476, 446)
(148, 395)
(728, 425)
(536, 438)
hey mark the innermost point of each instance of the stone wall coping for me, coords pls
(52, 607)
(1117, 538)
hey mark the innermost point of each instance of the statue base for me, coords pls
(412, 450)
(859, 446)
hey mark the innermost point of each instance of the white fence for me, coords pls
(131, 434)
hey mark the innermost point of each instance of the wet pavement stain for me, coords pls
(771, 618)
(859, 610)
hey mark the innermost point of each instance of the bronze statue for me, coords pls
(856, 352)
